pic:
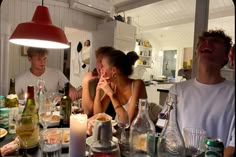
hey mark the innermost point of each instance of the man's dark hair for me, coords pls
(103, 50)
(33, 51)
(218, 34)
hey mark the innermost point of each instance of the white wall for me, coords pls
(14, 12)
(178, 38)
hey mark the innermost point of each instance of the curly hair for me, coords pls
(217, 34)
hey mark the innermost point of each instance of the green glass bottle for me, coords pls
(30, 105)
(65, 107)
(11, 102)
(12, 98)
(31, 109)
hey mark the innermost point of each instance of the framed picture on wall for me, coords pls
(24, 50)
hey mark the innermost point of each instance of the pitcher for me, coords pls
(102, 140)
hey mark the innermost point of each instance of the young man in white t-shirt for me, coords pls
(208, 101)
(54, 79)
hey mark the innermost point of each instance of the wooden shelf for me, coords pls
(148, 57)
(144, 66)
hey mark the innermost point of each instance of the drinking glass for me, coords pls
(124, 123)
(26, 125)
(45, 114)
(77, 106)
(50, 142)
(194, 141)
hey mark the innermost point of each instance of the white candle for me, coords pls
(25, 98)
(78, 127)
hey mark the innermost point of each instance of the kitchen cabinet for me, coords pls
(120, 35)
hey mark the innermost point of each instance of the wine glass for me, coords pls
(25, 127)
(45, 114)
(124, 123)
(194, 141)
(77, 106)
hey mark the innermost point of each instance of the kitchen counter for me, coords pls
(158, 91)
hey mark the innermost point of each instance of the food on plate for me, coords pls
(55, 118)
(2, 132)
(45, 116)
(66, 136)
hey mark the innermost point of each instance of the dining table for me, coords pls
(35, 152)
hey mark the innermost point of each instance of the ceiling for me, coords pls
(159, 15)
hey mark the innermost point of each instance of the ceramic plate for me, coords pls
(89, 140)
(54, 121)
(3, 132)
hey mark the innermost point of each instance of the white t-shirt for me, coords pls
(54, 80)
(211, 107)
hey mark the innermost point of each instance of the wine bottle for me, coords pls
(170, 142)
(31, 110)
(142, 133)
(65, 107)
(11, 102)
(30, 106)
(12, 98)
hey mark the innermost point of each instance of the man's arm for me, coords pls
(229, 151)
(75, 93)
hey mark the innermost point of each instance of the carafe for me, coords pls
(170, 142)
(103, 145)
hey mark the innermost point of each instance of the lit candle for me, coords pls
(25, 98)
(78, 127)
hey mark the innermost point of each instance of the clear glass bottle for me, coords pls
(142, 133)
(171, 142)
(41, 96)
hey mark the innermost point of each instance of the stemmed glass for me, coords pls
(124, 123)
(45, 114)
(25, 127)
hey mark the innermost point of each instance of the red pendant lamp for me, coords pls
(40, 32)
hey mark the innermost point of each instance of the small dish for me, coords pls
(3, 132)
(53, 122)
(89, 140)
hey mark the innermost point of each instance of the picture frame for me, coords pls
(24, 51)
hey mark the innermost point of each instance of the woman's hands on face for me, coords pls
(105, 85)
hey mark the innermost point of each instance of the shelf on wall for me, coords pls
(148, 57)
(144, 66)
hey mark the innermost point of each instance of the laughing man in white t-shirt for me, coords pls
(208, 101)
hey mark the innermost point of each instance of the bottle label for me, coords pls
(161, 123)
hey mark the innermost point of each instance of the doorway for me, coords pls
(169, 63)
